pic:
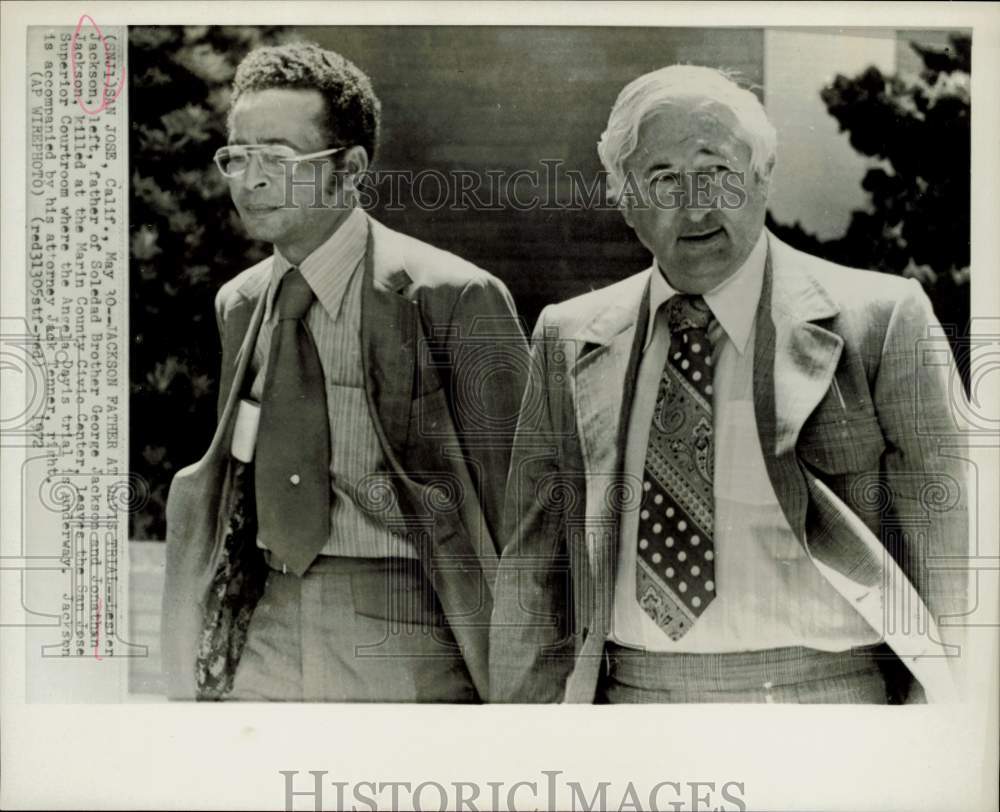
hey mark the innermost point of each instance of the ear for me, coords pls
(355, 161)
(625, 204)
(765, 177)
(352, 165)
(630, 197)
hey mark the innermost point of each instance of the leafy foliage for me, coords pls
(918, 126)
(185, 242)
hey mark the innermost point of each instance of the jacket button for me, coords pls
(295, 479)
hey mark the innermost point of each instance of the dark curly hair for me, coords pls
(353, 110)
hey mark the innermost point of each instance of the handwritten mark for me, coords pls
(106, 89)
(97, 636)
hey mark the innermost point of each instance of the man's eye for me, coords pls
(274, 157)
(666, 178)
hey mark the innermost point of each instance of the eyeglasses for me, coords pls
(234, 159)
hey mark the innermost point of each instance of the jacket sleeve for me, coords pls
(488, 377)
(920, 404)
(531, 646)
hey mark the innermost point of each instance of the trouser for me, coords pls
(792, 674)
(351, 630)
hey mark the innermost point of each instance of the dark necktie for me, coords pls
(675, 572)
(292, 460)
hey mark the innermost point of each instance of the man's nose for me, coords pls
(695, 214)
(254, 177)
(701, 196)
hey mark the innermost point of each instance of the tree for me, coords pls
(185, 242)
(918, 126)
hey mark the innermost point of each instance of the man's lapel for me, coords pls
(241, 337)
(794, 363)
(604, 378)
(388, 334)
(601, 376)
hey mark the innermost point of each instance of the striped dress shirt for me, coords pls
(363, 524)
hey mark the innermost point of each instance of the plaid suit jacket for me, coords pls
(860, 441)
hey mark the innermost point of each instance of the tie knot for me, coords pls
(687, 311)
(294, 296)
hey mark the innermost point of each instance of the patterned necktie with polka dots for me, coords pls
(675, 573)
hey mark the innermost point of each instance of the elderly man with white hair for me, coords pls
(728, 482)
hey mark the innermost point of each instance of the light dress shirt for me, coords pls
(362, 523)
(768, 593)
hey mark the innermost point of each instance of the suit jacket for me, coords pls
(445, 361)
(853, 424)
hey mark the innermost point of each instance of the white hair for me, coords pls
(661, 88)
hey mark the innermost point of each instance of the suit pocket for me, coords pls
(844, 445)
(400, 592)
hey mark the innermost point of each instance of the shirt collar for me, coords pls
(328, 269)
(733, 301)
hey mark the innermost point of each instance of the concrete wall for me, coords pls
(508, 98)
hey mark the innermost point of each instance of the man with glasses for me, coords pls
(740, 480)
(338, 540)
